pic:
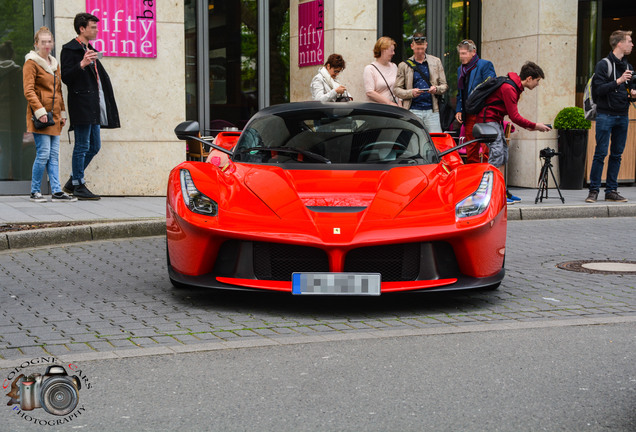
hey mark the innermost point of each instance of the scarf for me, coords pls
(332, 83)
(32, 55)
(466, 68)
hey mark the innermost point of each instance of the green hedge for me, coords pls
(571, 118)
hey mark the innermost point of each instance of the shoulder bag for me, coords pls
(387, 84)
(49, 114)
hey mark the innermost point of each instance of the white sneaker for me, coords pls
(37, 197)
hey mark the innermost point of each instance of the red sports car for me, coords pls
(335, 199)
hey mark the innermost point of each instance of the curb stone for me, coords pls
(328, 337)
(81, 233)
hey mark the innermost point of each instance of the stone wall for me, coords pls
(351, 31)
(542, 31)
(137, 158)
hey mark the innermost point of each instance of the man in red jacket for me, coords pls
(502, 102)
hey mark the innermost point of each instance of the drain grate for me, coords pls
(600, 267)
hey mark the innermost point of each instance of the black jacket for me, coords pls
(611, 98)
(83, 90)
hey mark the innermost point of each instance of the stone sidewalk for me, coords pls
(120, 217)
(113, 299)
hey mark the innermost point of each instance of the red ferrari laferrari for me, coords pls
(335, 199)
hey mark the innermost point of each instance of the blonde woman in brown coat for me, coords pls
(43, 92)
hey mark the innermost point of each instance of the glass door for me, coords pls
(237, 59)
(18, 19)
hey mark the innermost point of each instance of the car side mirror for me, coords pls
(187, 129)
(485, 132)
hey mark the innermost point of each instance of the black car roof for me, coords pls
(340, 108)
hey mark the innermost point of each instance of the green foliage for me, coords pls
(16, 26)
(571, 118)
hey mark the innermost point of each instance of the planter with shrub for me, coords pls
(572, 141)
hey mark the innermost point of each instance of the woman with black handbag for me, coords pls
(325, 87)
(46, 114)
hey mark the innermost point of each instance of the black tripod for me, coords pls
(546, 154)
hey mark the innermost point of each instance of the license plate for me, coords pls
(354, 284)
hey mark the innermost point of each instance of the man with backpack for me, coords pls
(472, 71)
(503, 101)
(419, 80)
(612, 89)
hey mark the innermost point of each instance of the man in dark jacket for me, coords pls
(612, 90)
(472, 72)
(502, 102)
(91, 101)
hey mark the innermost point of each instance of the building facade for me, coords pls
(220, 61)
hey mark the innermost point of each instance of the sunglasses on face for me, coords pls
(419, 39)
(469, 44)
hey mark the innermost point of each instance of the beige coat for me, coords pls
(404, 81)
(38, 91)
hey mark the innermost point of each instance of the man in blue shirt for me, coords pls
(419, 80)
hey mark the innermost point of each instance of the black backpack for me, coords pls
(476, 101)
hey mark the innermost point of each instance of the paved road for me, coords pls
(567, 379)
(550, 350)
(113, 298)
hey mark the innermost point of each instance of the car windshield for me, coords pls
(318, 137)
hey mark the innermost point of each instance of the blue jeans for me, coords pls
(87, 145)
(47, 156)
(606, 126)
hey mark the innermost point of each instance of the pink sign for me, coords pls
(311, 29)
(127, 28)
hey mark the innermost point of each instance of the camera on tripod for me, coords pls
(547, 153)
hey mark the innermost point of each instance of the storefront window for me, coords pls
(17, 148)
(444, 22)
(596, 22)
(279, 51)
(222, 44)
(191, 47)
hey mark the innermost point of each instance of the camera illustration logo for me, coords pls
(55, 391)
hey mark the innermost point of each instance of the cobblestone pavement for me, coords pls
(109, 296)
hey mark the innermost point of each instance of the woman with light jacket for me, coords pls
(324, 86)
(43, 92)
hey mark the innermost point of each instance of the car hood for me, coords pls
(299, 194)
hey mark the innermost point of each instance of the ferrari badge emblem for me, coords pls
(336, 230)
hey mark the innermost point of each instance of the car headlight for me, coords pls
(195, 200)
(476, 203)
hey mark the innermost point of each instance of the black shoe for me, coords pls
(614, 196)
(82, 193)
(62, 197)
(69, 187)
(592, 196)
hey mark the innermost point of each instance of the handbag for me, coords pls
(49, 114)
(344, 97)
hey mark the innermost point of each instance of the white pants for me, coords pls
(430, 119)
